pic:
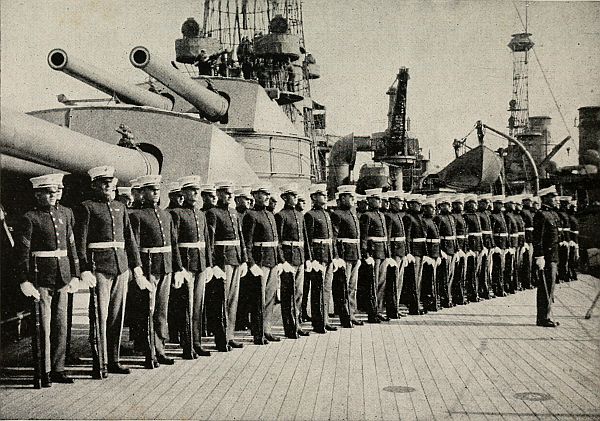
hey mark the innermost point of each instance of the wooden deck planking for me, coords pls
(341, 385)
(356, 403)
(322, 409)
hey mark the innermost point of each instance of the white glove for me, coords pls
(286, 267)
(178, 279)
(369, 261)
(208, 274)
(410, 258)
(243, 270)
(540, 262)
(572, 243)
(29, 290)
(308, 266)
(218, 272)
(141, 280)
(391, 262)
(438, 261)
(73, 285)
(279, 269)
(88, 279)
(256, 270)
(338, 263)
(318, 267)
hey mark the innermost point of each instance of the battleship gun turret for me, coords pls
(58, 59)
(210, 104)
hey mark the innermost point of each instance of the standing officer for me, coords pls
(47, 271)
(497, 254)
(447, 230)
(461, 258)
(107, 249)
(527, 215)
(565, 237)
(484, 275)
(156, 236)
(209, 197)
(432, 259)
(416, 232)
(175, 195)
(574, 242)
(136, 194)
(510, 263)
(243, 197)
(346, 227)
(196, 257)
(546, 239)
(301, 207)
(375, 250)
(319, 232)
(264, 255)
(474, 247)
(398, 243)
(229, 256)
(361, 204)
(294, 246)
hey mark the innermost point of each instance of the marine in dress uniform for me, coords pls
(546, 239)
(447, 231)
(458, 283)
(346, 227)
(510, 261)
(295, 252)
(229, 256)
(432, 259)
(319, 232)
(243, 198)
(136, 194)
(574, 242)
(565, 237)
(497, 254)
(175, 195)
(416, 234)
(375, 250)
(398, 246)
(473, 246)
(484, 274)
(209, 197)
(196, 257)
(527, 215)
(264, 255)
(178, 298)
(107, 250)
(157, 240)
(124, 196)
(48, 268)
(521, 245)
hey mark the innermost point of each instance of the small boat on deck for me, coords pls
(478, 167)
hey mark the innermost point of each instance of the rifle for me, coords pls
(151, 338)
(98, 365)
(37, 345)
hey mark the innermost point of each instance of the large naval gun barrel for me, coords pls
(210, 104)
(34, 140)
(99, 79)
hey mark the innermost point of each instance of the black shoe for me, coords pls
(117, 368)
(60, 377)
(46, 380)
(548, 323)
(201, 352)
(224, 348)
(303, 333)
(235, 344)
(97, 373)
(189, 355)
(163, 359)
(149, 363)
(348, 325)
(260, 341)
(271, 338)
(306, 317)
(357, 322)
(330, 328)
(319, 330)
(373, 320)
(292, 335)
(383, 318)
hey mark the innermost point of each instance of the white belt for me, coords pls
(448, 237)
(514, 235)
(377, 239)
(397, 239)
(486, 232)
(107, 245)
(418, 240)
(52, 253)
(460, 237)
(196, 245)
(293, 243)
(574, 232)
(502, 234)
(475, 234)
(561, 229)
(266, 244)
(232, 243)
(322, 240)
(529, 229)
(154, 250)
(433, 240)
(566, 229)
(349, 240)
(522, 233)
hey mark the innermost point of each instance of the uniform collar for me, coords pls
(148, 205)
(288, 207)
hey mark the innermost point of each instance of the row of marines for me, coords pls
(202, 246)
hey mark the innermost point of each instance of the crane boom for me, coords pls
(553, 152)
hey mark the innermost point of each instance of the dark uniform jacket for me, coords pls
(191, 227)
(259, 226)
(433, 238)
(512, 229)
(372, 224)
(98, 221)
(45, 229)
(460, 230)
(225, 225)
(415, 230)
(290, 227)
(499, 229)
(486, 229)
(527, 215)
(473, 231)
(395, 228)
(520, 228)
(346, 225)
(574, 224)
(565, 225)
(546, 235)
(319, 226)
(447, 232)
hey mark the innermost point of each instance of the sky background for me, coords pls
(460, 65)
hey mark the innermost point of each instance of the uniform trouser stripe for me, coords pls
(53, 306)
(291, 300)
